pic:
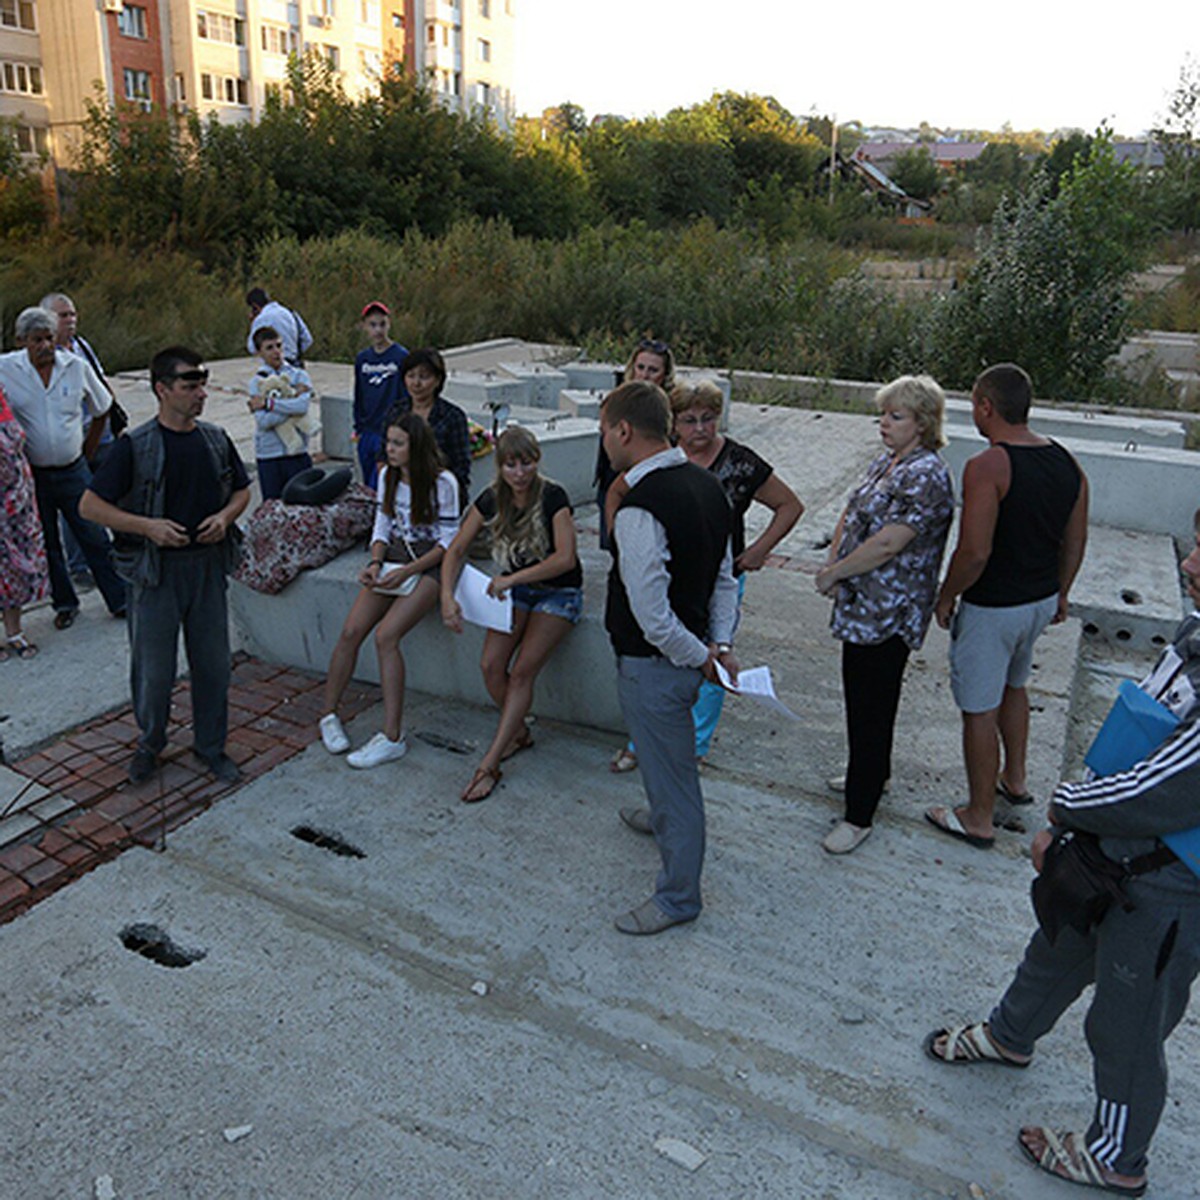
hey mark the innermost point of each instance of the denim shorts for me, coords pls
(565, 602)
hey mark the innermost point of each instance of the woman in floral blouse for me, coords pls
(882, 573)
(23, 571)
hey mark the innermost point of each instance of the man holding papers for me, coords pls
(672, 604)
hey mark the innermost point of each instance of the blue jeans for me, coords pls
(190, 596)
(273, 473)
(58, 491)
(656, 699)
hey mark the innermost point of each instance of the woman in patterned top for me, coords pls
(416, 520)
(882, 573)
(533, 545)
(696, 408)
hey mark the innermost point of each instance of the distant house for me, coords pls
(1146, 154)
(949, 156)
(884, 188)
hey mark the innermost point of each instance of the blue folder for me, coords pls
(1134, 728)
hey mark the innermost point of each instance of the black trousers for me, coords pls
(871, 679)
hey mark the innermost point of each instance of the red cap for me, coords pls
(373, 305)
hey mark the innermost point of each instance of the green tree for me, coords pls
(916, 172)
(1178, 188)
(22, 202)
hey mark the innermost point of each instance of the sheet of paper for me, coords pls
(756, 683)
(477, 606)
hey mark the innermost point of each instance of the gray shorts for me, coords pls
(992, 648)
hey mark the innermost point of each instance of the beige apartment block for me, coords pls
(464, 49)
(24, 107)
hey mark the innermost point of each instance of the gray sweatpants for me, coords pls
(190, 597)
(1142, 963)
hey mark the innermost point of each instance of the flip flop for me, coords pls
(1002, 789)
(21, 646)
(622, 761)
(1074, 1163)
(493, 774)
(947, 820)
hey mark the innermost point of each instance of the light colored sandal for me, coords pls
(622, 761)
(21, 646)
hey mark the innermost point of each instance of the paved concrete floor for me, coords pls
(337, 1009)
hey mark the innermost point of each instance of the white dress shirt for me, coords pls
(52, 414)
(643, 555)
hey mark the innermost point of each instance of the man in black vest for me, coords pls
(172, 491)
(672, 605)
(1020, 544)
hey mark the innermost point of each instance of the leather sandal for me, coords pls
(492, 775)
(523, 741)
(20, 646)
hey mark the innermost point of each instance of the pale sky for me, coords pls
(1032, 63)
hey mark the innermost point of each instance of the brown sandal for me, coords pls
(523, 741)
(494, 774)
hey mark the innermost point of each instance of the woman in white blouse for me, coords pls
(416, 521)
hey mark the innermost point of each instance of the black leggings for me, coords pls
(871, 679)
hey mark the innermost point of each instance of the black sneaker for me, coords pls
(223, 767)
(143, 764)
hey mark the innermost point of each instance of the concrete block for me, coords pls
(475, 390)
(337, 425)
(544, 383)
(1165, 350)
(581, 402)
(300, 625)
(1145, 489)
(586, 375)
(1089, 426)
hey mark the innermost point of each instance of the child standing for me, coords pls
(378, 385)
(279, 397)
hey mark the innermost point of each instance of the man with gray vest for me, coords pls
(671, 612)
(1020, 544)
(172, 491)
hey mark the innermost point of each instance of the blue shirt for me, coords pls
(378, 385)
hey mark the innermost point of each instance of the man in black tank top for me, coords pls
(1020, 543)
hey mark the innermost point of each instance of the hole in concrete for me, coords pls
(327, 841)
(1129, 596)
(1123, 635)
(1090, 629)
(153, 943)
(1158, 640)
(440, 742)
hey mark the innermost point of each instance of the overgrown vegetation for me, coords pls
(716, 226)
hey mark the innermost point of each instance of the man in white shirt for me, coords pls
(286, 322)
(48, 389)
(671, 612)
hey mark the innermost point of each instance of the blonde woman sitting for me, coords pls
(533, 545)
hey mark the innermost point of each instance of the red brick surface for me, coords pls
(272, 717)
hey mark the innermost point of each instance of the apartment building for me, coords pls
(225, 57)
(464, 49)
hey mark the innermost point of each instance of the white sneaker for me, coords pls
(837, 783)
(380, 749)
(844, 837)
(333, 734)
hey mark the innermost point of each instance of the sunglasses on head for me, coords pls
(653, 345)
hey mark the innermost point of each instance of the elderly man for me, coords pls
(172, 490)
(288, 323)
(48, 390)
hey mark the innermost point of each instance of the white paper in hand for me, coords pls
(756, 683)
(477, 606)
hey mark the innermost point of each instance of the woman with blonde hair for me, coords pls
(882, 573)
(533, 545)
(415, 522)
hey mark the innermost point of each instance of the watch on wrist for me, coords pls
(724, 648)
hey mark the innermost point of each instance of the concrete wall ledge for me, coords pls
(300, 625)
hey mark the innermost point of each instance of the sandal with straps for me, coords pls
(491, 775)
(1065, 1156)
(21, 646)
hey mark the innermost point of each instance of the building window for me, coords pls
(276, 39)
(206, 87)
(333, 57)
(397, 21)
(180, 90)
(483, 50)
(220, 27)
(485, 8)
(483, 94)
(131, 21)
(31, 139)
(137, 87)
(325, 8)
(17, 14)
(431, 33)
(22, 78)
